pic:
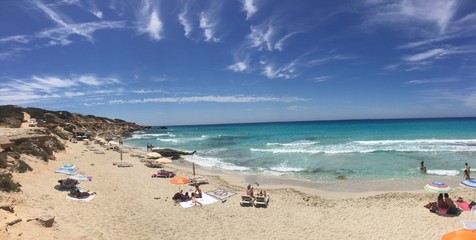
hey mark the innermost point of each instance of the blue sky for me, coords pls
(196, 62)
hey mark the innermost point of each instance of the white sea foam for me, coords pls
(214, 162)
(168, 140)
(421, 145)
(284, 168)
(151, 135)
(294, 144)
(441, 172)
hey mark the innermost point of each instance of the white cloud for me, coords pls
(433, 80)
(187, 26)
(438, 52)
(320, 79)
(216, 99)
(414, 13)
(286, 72)
(260, 37)
(208, 26)
(250, 8)
(149, 21)
(240, 66)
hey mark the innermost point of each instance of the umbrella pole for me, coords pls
(193, 168)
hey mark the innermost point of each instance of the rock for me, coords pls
(14, 221)
(168, 152)
(46, 220)
(8, 208)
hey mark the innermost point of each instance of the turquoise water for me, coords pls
(324, 150)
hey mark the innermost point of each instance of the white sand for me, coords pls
(132, 205)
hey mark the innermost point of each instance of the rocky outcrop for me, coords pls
(174, 154)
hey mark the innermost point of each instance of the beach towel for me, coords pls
(469, 225)
(84, 199)
(206, 199)
(221, 194)
(67, 169)
(463, 205)
(80, 177)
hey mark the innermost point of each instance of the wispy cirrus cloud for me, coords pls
(433, 53)
(287, 71)
(208, 23)
(149, 21)
(215, 99)
(184, 20)
(408, 14)
(430, 81)
(249, 6)
(40, 88)
(267, 37)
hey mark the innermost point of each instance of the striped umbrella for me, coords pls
(438, 187)
(471, 183)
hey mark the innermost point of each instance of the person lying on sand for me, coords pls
(68, 183)
(78, 194)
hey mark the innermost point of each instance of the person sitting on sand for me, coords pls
(78, 194)
(422, 167)
(261, 193)
(440, 202)
(68, 183)
(185, 197)
(466, 175)
(452, 209)
(178, 197)
(195, 201)
(249, 191)
(198, 191)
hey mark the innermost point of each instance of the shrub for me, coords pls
(8, 185)
(23, 167)
(3, 160)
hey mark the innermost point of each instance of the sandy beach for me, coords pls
(130, 204)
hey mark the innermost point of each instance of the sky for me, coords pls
(173, 62)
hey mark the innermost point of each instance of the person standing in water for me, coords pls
(422, 167)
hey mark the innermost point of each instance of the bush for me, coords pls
(23, 167)
(3, 160)
(8, 185)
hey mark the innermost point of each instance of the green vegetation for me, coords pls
(8, 185)
(23, 167)
(3, 160)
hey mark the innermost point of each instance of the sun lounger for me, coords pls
(154, 164)
(123, 164)
(163, 174)
(198, 181)
(246, 201)
(261, 201)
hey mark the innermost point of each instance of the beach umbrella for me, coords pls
(461, 234)
(163, 160)
(438, 187)
(153, 155)
(471, 183)
(179, 181)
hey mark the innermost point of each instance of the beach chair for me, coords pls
(198, 181)
(261, 201)
(163, 174)
(246, 201)
(124, 164)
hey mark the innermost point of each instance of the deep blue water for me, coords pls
(324, 150)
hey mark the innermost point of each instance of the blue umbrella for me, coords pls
(471, 183)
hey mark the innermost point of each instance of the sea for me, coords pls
(326, 150)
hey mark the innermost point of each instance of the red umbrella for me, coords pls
(179, 181)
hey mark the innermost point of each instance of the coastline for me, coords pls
(132, 205)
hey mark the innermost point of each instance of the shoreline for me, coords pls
(130, 204)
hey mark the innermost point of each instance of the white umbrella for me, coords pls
(163, 160)
(153, 155)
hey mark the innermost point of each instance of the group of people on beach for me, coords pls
(443, 202)
(149, 147)
(250, 192)
(180, 197)
(71, 184)
(467, 170)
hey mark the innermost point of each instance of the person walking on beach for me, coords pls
(422, 167)
(466, 175)
(468, 167)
